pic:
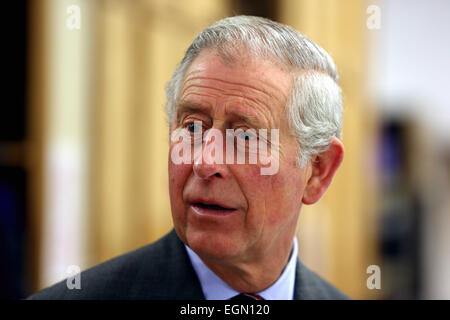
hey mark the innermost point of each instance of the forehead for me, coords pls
(251, 80)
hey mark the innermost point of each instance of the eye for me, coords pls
(248, 135)
(194, 126)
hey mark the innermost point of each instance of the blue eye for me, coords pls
(245, 135)
(194, 126)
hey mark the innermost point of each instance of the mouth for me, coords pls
(211, 209)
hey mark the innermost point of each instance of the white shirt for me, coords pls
(215, 288)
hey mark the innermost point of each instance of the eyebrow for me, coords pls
(252, 120)
(187, 107)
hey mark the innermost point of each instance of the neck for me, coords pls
(255, 275)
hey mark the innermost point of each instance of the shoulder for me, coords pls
(310, 286)
(156, 271)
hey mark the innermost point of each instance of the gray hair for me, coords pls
(314, 108)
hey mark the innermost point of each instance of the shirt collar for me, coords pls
(215, 288)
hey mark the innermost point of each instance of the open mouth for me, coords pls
(211, 206)
(211, 209)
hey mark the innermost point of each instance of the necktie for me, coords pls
(246, 296)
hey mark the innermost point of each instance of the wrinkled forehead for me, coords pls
(245, 74)
(252, 83)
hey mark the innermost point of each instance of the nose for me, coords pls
(209, 161)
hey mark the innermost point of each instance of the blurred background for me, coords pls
(83, 139)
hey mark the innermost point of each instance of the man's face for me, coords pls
(262, 209)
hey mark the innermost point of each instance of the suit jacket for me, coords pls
(163, 271)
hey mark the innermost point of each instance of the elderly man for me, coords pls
(250, 87)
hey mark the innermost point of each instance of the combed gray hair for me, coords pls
(314, 108)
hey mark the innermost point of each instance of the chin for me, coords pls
(212, 245)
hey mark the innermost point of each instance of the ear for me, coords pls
(323, 168)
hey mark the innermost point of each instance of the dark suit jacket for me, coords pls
(163, 271)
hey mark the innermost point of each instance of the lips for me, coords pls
(206, 207)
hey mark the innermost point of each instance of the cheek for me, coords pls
(178, 174)
(259, 193)
(272, 199)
